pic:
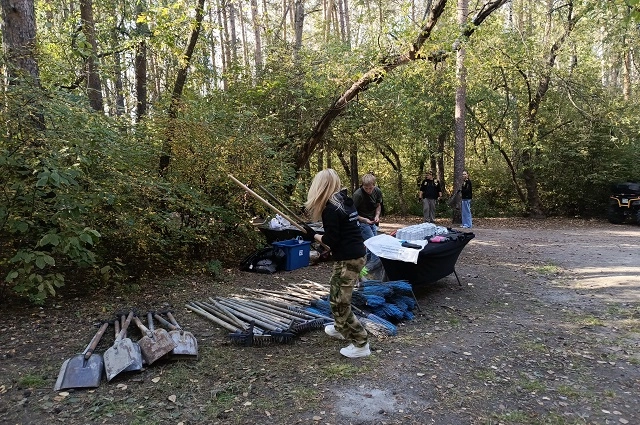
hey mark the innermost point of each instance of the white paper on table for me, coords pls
(386, 246)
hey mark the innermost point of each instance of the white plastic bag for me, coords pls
(279, 222)
(386, 246)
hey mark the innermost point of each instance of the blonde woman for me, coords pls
(327, 200)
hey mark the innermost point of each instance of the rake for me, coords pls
(274, 313)
(246, 313)
(245, 337)
(279, 334)
(279, 295)
(306, 310)
(305, 321)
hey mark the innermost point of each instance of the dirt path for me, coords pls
(544, 330)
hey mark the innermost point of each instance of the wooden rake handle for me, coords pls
(265, 202)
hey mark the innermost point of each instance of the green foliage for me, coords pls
(80, 202)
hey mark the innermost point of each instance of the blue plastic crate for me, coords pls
(297, 253)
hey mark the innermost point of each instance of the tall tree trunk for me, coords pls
(94, 86)
(298, 26)
(233, 42)
(18, 37)
(212, 52)
(245, 45)
(534, 204)
(257, 36)
(442, 138)
(460, 116)
(141, 63)
(117, 74)
(320, 163)
(347, 23)
(626, 70)
(353, 161)
(176, 94)
(341, 20)
(345, 164)
(224, 44)
(226, 49)
(393, 158)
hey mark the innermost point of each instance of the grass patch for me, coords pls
(170, 283)
(485, 375)
(568, 391)
(547, 269)
(516, 417)
(340, 370)
(532, 385)
(32, 381)
(538, 347)
(591, 321)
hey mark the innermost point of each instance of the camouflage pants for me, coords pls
(343, 279)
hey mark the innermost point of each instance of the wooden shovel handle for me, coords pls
(124, 330)
(173, 320)
(150, 321)
(165, 322)
(265, 202)
(94, 341)
(141, 326)
(124, 327)
(279, 202)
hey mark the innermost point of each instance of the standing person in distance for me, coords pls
(466, 195)
(430, 192)
(368, 202)
(327, 200)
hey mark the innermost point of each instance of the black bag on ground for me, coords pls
(265, 260)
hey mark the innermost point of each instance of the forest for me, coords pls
(121, 120)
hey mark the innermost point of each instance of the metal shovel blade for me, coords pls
(186, 343)
(156, 346)
(156, 342)
(83, 370)
(63, 369)
(137, 362)
(120, 356)
(81, 373)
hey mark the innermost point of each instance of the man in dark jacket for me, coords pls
(429, 194)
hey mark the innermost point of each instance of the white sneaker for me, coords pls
(332, 331)
(353, 352)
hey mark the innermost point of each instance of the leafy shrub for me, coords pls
(80, 201)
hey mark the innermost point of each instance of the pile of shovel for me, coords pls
(86, 369)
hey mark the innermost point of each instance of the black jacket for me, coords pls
(342, 229)
(466, 189)
(430, 189)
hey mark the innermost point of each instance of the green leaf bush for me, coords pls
(82, 206)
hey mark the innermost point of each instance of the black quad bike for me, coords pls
(624, 203)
